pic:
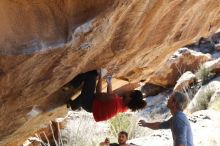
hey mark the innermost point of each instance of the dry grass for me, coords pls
(204, 74)
(82, 130)
(126, 122)
(204, 99)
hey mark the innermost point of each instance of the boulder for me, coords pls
(217, 47)
(216, 37)
(206, 45)
(149, 89)
(213, 65)
(215, 101)
(182, 60)
(205, 95)
(185, 81)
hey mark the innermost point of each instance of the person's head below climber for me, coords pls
(134, 100)
(122, 138)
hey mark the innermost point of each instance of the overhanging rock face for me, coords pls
(44, 44)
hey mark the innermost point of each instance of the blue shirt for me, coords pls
(181, 129)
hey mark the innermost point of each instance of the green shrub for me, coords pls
(204, 99)
(204, 74)
(216, 103)
(125, 122)
(82, 130)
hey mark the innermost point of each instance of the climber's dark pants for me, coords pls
(85, 99)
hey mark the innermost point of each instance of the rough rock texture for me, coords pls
(181, 61)
(185, 81)
(213, 65)
(210, 91)
(217, 47)
(216, 37)
(150, 89)
(215, 101)
(44, 44)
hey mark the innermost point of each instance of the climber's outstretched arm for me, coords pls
(109, 84)
(99, 84)
(103, 96)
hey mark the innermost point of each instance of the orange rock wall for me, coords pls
(44, 44)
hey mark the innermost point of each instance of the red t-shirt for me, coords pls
(104, 110)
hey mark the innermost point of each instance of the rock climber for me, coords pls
(105, 105)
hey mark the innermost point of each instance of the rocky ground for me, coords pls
(205, 127)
